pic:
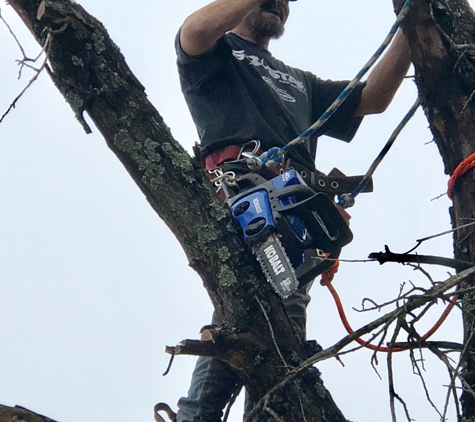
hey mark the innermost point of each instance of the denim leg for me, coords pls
(213, 381)
(212, 385)
(296, 308)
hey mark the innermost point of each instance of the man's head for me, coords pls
(268, 20)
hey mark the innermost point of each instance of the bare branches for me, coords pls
(412, 303)
(25, 62)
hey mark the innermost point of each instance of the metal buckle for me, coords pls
(229, 177)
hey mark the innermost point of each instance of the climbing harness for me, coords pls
(461, 169)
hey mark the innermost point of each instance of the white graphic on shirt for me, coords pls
(277, 75)
(281, 92)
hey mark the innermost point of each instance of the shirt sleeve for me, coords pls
(343, 124)
(195, 71)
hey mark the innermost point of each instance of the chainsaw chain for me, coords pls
(289, 274)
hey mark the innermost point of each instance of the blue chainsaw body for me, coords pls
(310, 227)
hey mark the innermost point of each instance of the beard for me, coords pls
(266, 26)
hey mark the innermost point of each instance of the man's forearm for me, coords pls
(202, 29)
(385, 78)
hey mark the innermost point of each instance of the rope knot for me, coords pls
(346, 200)
(254, 163)
(273, 157)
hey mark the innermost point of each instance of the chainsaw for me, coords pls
(295, 232)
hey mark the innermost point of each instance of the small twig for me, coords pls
(389, 302)
(389, 362)
(302, 409)
(419, 373)
(423, 271)
(459, 241)
(273, 414)
(424, 239)
(33, 79)
(356, 261)
(13, 35)
(274, 340)
(367, 299)
(169, 364)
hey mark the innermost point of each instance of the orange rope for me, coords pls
(327, 281)
(463, 167)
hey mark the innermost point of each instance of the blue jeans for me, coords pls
(213, 381)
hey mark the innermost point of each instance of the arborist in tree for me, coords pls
(244, 102)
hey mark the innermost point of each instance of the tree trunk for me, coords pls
(92, 75)
(441, 34)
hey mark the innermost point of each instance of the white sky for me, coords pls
(93, 285)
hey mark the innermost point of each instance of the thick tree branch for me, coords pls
(20, 414)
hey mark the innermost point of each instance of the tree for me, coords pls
(441, 41)
(79, 53)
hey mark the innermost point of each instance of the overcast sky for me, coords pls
(93, 285)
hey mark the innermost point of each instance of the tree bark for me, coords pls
(92, 75)
(441, 35)
(20, 414)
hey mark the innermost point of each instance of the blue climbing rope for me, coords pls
(347, 200)
(269, 158)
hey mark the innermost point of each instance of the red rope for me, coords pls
(327, 281)
(462, 168)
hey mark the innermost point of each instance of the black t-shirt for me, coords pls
(239, 92)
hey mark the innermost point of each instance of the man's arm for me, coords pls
(202, 29)
(385, 79)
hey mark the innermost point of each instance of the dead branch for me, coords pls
(234, 349)
(449, 346)
(388, 256)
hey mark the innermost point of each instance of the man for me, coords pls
(238, 92)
